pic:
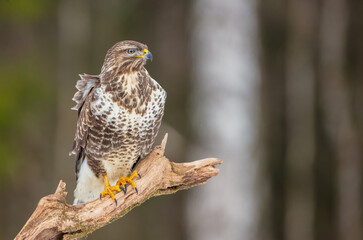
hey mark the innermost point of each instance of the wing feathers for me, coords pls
(83, 98)
(84, 87)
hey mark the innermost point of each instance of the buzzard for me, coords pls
(119, 115)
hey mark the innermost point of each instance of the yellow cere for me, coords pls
(145, 52)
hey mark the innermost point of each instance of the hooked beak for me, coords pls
(147, 55)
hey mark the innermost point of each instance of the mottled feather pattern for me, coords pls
(83, 97)
(120, 112)
(84, 86)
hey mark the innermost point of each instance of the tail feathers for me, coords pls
(88, 186)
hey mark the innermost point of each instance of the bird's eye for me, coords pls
(130, 51)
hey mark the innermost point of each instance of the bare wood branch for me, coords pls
(55, 219)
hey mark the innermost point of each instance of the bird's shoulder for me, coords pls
(84, 86)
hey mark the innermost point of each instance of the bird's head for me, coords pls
(126, 56)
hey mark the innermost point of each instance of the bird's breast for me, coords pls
(122, 134)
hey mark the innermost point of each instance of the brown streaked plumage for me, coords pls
(119, 115)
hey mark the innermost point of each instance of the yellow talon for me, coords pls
(108, 189)
(123, 180)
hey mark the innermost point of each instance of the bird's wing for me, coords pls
(83, 97)
(84, 87)
(158, 110)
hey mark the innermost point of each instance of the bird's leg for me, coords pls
(124, 180)
(108, 189)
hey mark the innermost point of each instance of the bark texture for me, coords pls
(55, 219)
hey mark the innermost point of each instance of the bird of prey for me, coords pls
(119, 115)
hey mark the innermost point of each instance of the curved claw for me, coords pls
(124, 181)
(137, 192)
(115, 202)
(123, 189)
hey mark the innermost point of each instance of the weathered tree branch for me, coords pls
(55, 219)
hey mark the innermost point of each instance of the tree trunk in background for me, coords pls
(353, 171)
(224, 117)
(300, 119)
(272, 18)
(311, 87)
(339, 123)
(74, 22)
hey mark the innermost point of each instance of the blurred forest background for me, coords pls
(273, 88)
